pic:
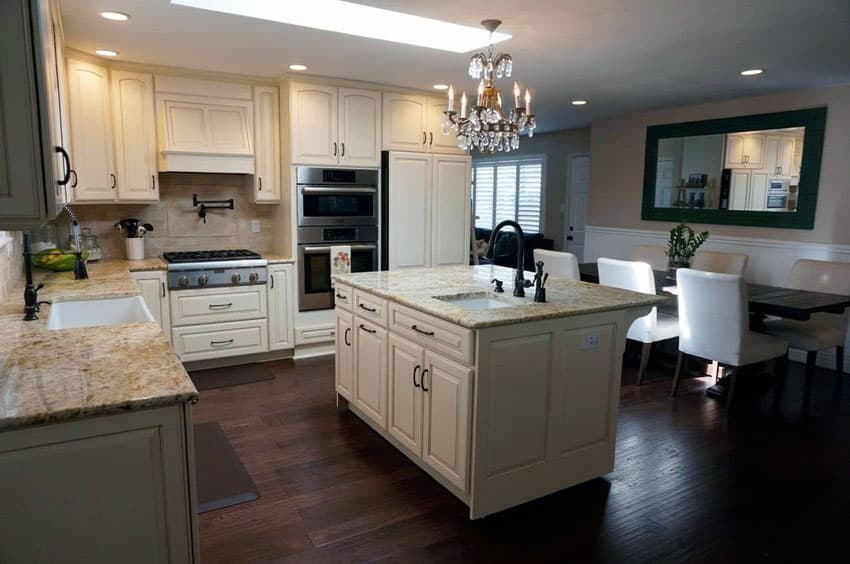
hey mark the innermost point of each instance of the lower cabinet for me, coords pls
(370, 369)
(220, 340)
(281, 307)
(344, 354)
(154, 291)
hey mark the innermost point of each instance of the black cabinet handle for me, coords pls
(345, 336)
(114, 181)
(66, 161)
(343, 149)
(76, 178)
(421, 332)
(424, 372)
(163, 288)
(260, 182)
(221, 306)
(431, 141)
(373, 331)
(220, 343)
(271, 281)
(334, 148)
(369, 309)
(415, 369)
(340, 296)
(153, 182)
(424, 137)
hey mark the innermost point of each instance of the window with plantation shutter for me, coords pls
(508, 189)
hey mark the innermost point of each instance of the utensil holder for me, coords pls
(135, 248)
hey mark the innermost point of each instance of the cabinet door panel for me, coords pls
(135, 137)
(785, 156)
(758, 191)
(281, 308)
(734, 151)
(156, 298)
(754, 150)
(438, 142)
(370, 365)
(313, 119)
(359, 127)
(344, 362)
(450, 213)
(409, 213)
(404, 122)
(447, 390)
(266, 144)
(406, 362)
(91, 132)
(739, 189)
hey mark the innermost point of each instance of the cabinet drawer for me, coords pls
(192, 307)
(220, 340)
(432, 333)
(343, 296)
(370, 307)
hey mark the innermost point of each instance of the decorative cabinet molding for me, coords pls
(414, 123)
(334, 126)
(266, 144)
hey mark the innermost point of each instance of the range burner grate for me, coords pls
(210, 256)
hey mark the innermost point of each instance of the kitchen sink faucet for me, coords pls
(520, 283)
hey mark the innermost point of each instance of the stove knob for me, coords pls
(202, 280)
(236, 278)
(183, 281)
(253, 277)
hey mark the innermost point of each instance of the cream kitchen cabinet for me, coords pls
(334, 126)
(30, 131)
(134, 128)
(153, 286)
(748, 190)
(779, 156)
(344, 369)
(267, 186)
(745, 150)
(429, 209)
(281, 306)
(370, 370)
(414, 123)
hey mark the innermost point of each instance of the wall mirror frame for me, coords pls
(814, 122)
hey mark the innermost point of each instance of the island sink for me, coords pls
(93, 313)
(477, 302)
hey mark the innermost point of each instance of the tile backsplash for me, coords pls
(177, 226)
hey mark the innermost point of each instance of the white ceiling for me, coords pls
(620, 55)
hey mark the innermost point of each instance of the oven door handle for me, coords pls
(340, 191)
(323, 249)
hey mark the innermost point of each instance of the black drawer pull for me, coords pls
(341, 297)
(416, 369)
(424, 372)
(369, 309)
(345, 336)
(421, 332)
(221, 343)
(373, 331)
(221, 306)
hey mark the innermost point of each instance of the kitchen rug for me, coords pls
(210, 378)
(222, 480)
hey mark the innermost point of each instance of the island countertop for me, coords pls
(418, 288)
(48, 376)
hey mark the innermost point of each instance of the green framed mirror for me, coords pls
(759, 170)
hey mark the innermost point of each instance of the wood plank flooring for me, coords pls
(691, 483)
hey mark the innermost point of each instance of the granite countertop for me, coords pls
(48, 376)
(417, 288)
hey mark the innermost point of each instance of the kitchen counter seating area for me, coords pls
(500, 399)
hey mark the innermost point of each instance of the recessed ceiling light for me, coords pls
(356, 19)
(115, 16)
(751, 72)
(298, 67)
(441, 87)
(107, 53)
(578, 102)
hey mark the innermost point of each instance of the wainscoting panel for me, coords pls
(770, 259)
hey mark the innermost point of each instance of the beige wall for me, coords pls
(177, 226)
(557, 146)
(617, 145)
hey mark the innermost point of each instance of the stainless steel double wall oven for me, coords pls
(335, 207)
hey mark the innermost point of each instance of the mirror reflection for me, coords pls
(743, 171)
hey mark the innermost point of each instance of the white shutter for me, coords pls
(529, 197)
(483, 195)
(509, 189)
(506, 177)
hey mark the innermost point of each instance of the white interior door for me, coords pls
(579, 186)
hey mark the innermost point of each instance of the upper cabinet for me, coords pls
(334, 126)
(744, 150)
(414, 123)
(135, 136)
(266, 144)
(30, 133)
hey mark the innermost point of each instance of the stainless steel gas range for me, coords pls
(211, 269)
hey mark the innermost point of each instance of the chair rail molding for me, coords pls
(770, 260)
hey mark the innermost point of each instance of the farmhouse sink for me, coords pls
(93, 313)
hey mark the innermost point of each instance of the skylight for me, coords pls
(355, 19)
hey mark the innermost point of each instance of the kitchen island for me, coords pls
(96, 453)
(500, 399)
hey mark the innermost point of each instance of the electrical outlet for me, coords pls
(255, 226)
(590, 341)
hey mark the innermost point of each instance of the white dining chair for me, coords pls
(714, 325)
(562, 265)
(823, 330)
(723, 263)
(656, 257)
(652, 328)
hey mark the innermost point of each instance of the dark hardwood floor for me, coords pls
(691, 483)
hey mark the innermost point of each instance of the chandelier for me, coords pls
(485, 126)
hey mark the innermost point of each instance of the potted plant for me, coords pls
(683, 245)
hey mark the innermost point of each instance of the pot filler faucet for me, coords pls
(520, 283)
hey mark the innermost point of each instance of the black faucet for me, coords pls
(31, 303)
(520, 283)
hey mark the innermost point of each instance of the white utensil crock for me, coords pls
(135, 248)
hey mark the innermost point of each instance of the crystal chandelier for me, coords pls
(485, 126)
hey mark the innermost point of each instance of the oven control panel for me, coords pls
(216, 277)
